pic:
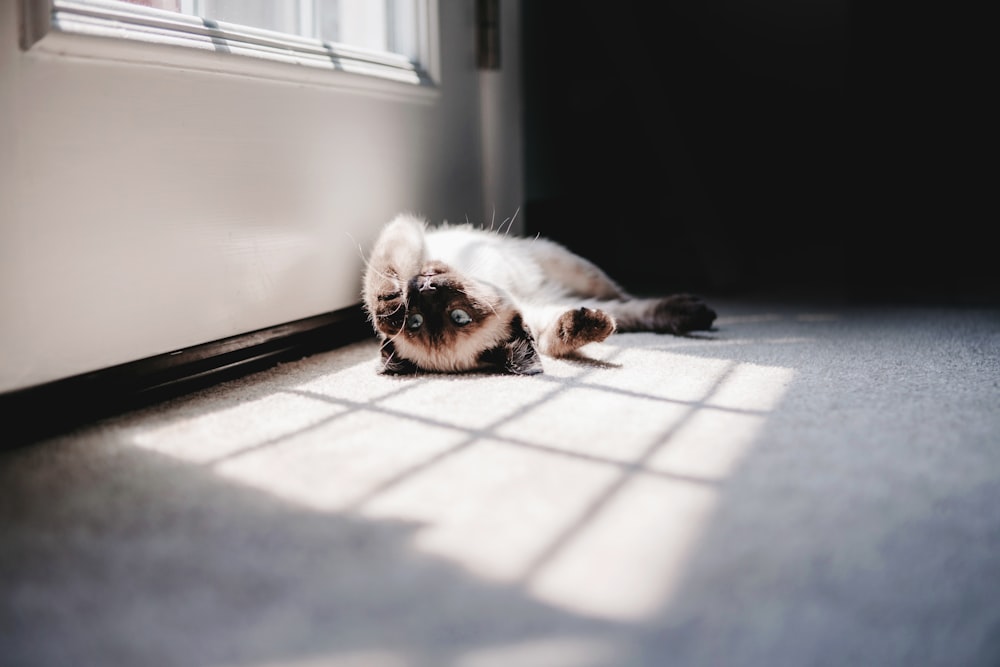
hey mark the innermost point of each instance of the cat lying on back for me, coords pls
(462, 298)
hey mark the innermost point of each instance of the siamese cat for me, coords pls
(460, 298)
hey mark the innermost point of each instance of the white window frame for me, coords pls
(67, 28)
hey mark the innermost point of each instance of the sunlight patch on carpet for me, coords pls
(626, 559)
(230, 429)
(495, 508)
(586, 487)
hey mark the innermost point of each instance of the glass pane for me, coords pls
(403, 21)
(390, 25)
(169, 5)
(279, 15)
(381, 25)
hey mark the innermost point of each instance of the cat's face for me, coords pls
(440, 320)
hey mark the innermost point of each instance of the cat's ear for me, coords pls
(392, 363)
(517, 355)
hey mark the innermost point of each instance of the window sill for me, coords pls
(167, 39)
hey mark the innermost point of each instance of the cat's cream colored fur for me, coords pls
(457, 298)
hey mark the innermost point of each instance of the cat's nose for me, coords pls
(424, 283)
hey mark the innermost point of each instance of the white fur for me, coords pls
(542, 277)
(563, 299)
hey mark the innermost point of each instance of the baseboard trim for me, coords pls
(43, 411)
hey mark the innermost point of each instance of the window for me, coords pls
(380, 26)
(388, 39)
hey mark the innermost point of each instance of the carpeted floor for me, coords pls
(807, 485)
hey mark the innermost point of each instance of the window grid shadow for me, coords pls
(628, 470)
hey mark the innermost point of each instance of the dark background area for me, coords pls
(763, 146)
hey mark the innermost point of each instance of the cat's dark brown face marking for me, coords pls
(440, 320)
(433, 306)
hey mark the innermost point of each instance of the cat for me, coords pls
(461, 298)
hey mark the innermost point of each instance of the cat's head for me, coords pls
(440, 320)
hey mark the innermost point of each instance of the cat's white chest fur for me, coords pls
(500, 260)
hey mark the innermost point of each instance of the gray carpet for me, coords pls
(806, 485)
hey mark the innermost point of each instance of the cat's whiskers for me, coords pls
(393, 337)
(481, 299)
(400, 306)
(388, 276)
(366, 262)
(510, 222)
(388, 361)
(361, 254)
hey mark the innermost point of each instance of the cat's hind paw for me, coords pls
(681, 313)
(575, 328)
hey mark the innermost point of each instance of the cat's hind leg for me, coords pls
(575, 274)
(677, 314)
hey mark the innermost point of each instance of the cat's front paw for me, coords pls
(576, 328)
(386, 305)
(681, 313)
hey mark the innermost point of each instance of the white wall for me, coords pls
(145, 207)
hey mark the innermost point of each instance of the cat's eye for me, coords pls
(414, 321)
(460, 317)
